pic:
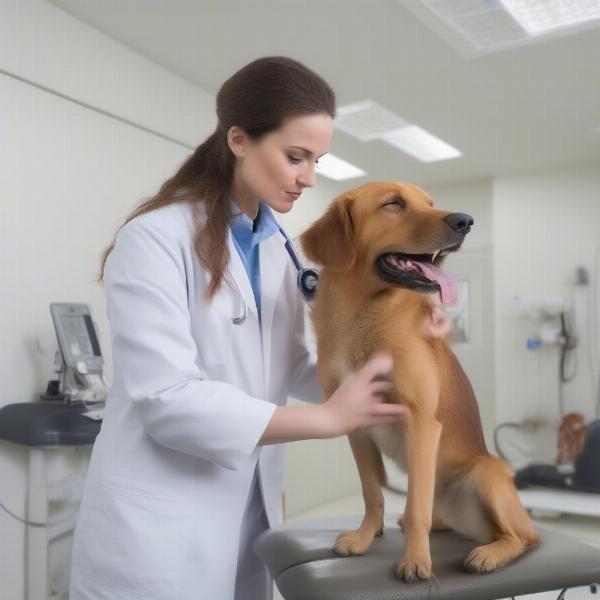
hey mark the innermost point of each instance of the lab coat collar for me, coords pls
(273, 259)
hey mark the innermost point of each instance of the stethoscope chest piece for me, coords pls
(307, 280)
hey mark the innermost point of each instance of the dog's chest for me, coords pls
(389, 439)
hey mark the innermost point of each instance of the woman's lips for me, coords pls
(294, 194)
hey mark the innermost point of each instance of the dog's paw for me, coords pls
(414, 569)
(481, 560)
(353, 542)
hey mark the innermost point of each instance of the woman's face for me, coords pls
(283, 161)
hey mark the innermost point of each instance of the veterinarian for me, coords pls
(207, 330)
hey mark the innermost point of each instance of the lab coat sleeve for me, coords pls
(304, 383)
(154, 355)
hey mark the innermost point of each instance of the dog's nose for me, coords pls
(460, 222)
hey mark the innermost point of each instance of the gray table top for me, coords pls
(300, 558)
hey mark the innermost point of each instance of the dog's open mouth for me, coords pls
(419, 272)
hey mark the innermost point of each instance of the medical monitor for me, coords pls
(77, 337)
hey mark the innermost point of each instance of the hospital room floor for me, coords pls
(583, 529)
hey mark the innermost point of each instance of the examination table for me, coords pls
(300, 558)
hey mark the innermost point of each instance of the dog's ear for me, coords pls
(329, 241)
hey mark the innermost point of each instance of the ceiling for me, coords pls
(515, 111)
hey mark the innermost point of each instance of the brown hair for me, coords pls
(258, 98)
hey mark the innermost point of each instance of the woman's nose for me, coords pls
(308, 177)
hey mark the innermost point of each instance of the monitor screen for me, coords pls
(76, 333)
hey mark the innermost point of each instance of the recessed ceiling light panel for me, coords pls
(480, 26)
(366, 120)
(539, 16)
(335, 168)
(420, 144)
(482, 22)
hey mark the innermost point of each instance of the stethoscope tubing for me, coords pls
(291, 251)
(304, 275)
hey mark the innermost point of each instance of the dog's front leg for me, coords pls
(371, 470)
(422, 435)
(422, 431)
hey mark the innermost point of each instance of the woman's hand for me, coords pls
(358, 401)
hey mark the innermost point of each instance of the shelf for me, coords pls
(563, 501)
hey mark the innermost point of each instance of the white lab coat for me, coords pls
(191, 396)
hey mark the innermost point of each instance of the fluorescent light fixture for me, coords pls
(366, 120)
(539, 16)
(335, 168)
(476, 27)
(420, 144)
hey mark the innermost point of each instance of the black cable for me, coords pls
(598, 400)
(561, 396)
(567, 349)
(565, 352)
(497, 440)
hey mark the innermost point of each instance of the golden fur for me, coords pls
(453, 481)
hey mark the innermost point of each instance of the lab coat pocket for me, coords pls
(137, 542)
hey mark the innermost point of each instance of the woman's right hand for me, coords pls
(358, 401)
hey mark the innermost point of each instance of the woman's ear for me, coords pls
(329, 241)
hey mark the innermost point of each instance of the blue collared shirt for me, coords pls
(247, 234)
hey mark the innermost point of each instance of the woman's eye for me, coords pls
(295, 160)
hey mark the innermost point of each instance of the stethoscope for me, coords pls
(306, 280)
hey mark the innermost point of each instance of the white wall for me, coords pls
(46, 46)
(69, 176)
(472, 197)
(544, 226)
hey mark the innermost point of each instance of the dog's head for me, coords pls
(392, 230)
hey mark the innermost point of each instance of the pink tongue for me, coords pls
(448, 287)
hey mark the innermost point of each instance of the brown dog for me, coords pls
(380, 246)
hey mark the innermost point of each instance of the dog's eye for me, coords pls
(396, 203)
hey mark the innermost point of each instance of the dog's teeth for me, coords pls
(435, 255)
